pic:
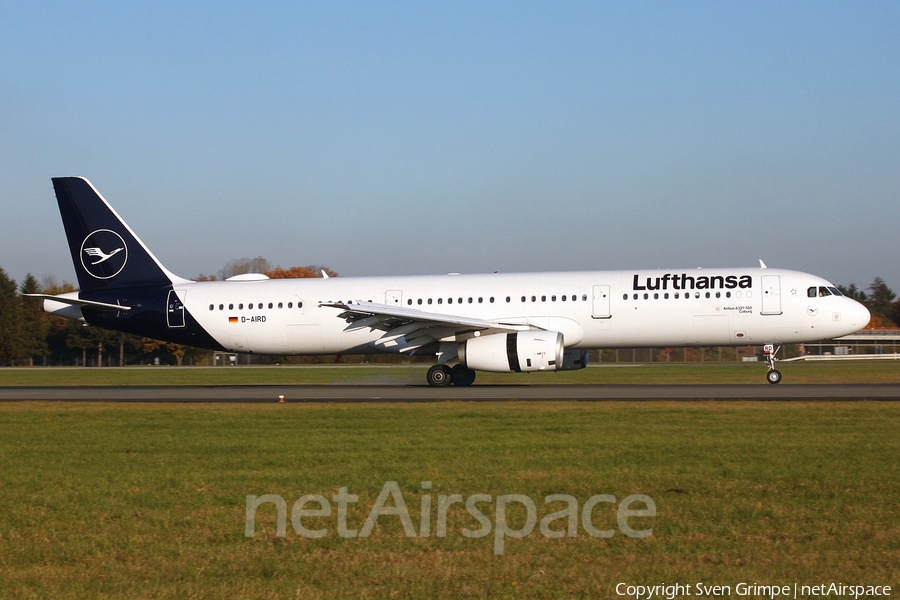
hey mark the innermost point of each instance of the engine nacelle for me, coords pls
(574, 359)
(518, 351)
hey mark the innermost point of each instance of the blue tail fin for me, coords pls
(105, 251)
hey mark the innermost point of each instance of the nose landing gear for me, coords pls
(769, 352)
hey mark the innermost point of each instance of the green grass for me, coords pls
(122, 501)
(828, 372)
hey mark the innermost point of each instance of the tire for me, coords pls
(462, 376)
(439, 376)
(773, 376)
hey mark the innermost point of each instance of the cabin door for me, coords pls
(771, 295)
(601, 302)
(175, 308)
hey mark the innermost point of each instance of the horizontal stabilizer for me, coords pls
(79, 302)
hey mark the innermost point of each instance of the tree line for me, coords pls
(29, 336)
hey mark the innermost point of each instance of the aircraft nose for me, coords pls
(859, 315)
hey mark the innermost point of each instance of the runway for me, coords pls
(476, 393)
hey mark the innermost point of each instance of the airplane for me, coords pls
(517, 322)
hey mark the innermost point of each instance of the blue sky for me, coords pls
(405, 138)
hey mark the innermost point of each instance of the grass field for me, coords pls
(658, 373)
(125, 501)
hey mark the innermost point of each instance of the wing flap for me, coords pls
(407, 329)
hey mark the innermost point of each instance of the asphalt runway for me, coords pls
(412, 393)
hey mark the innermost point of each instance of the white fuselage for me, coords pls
(595, 309)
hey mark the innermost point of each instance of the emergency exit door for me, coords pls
(393, 297)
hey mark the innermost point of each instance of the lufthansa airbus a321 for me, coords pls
(493, 322)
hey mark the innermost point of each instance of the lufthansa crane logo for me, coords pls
(103, 254)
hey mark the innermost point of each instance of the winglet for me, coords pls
(762, 265)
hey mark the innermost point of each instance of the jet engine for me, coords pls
(574, 359)
(518, 351)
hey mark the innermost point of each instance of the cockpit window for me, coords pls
(823, 291)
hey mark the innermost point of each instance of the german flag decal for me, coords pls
(232, 319)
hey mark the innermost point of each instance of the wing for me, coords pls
(409, 329)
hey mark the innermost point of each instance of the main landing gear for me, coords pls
(769, 352)
(443, 375)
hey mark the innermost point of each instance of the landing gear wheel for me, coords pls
(462, 376)
(439, 376)
(769, 352)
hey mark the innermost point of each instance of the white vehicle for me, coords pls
(492, 322)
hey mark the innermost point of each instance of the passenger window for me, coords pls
(280, 305)
(543, 298)
(231, 307)
(646, 296)
(290, 305)
(624, 297)
(584, 297)
(211, 306)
